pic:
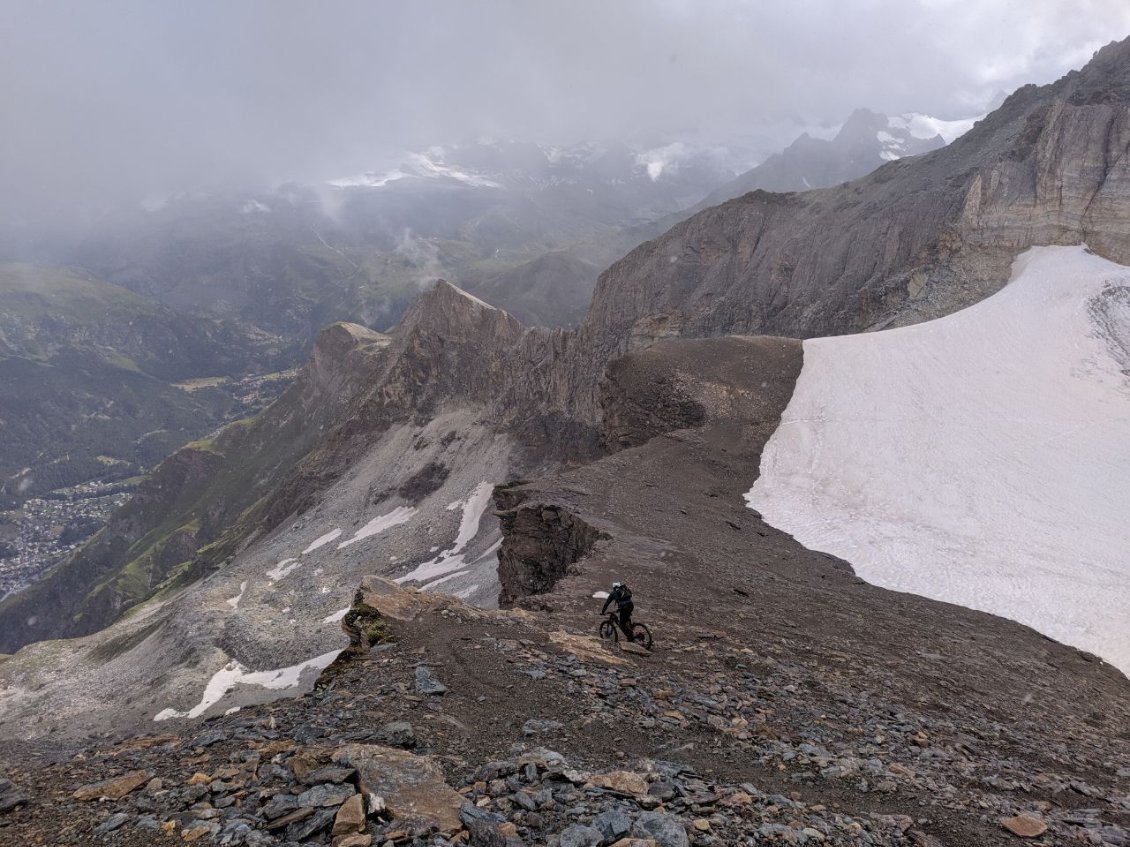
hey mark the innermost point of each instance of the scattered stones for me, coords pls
(541, 727)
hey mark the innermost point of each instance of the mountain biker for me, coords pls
(622, 596)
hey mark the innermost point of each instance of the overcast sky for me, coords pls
(107, 100)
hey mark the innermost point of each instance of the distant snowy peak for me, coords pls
(913, 133)
(513, 164)
(430, 164)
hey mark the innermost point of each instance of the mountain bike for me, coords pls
(610, 631)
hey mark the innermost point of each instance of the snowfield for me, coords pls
(982, 459)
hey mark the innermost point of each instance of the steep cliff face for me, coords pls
(191, 499)
(913, 240)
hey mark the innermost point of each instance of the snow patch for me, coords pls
(399, 515)
(322, 541)
(283, 568)
(474, 505)
(336, 616)
(234, 601)
(978, 459)
(926, 127)
(233, 674)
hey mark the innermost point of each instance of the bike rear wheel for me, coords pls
(642, 635)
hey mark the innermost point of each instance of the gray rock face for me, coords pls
(914, 240)
(426, 683)
(810, 163)
(581, 836)
(666, 829)
(613, 824)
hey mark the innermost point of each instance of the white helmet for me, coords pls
(615, 585)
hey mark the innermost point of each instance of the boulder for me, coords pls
(410, 787)
(1025, 826)
(621, 782)
(10, 796)
(350, 817)
(426, 683)
(667, 830)
(326, 795)
(113, 789)
(612, 824)
(580, 836)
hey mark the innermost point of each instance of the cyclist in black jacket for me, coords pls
(622, 596)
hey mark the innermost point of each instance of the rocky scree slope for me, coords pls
(785, 702)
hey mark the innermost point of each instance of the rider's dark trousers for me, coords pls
(626, 619)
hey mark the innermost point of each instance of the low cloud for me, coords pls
(123, 100)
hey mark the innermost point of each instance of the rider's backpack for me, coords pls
(625, 594)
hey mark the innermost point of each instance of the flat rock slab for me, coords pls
(113, 789)
(1026, 826)
(411, 787)
(622, 782)
(634, 649)
(586, 647)
(350, 817)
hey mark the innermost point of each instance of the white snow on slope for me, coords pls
(322, 540)
(233, 674)
(428, 165)
(474, 505)
(283, 568)
(336, 616)
(399, 515)
(981, 458)
(925, 126)
(234, 601)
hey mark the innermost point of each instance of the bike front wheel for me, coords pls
(608, 631)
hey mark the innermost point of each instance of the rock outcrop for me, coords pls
(539, 544)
